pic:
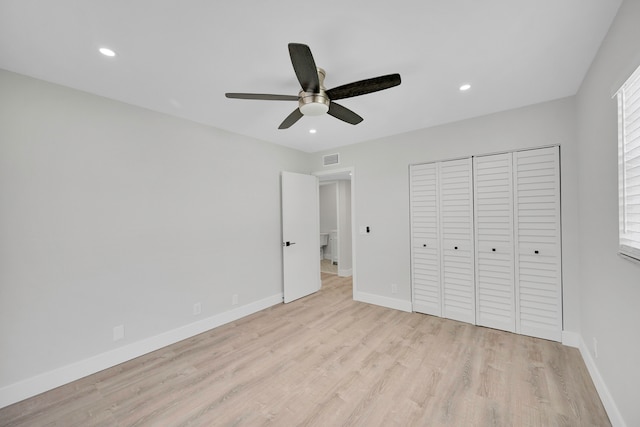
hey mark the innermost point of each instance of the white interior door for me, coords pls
(538, 248)
(495, 289)
(300, 235)
(456, 233)
(425, 240)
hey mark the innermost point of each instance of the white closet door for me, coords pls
(493, 197)
(425, 246)
(538, 250)
(456, 232)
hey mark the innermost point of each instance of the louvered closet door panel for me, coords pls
(456, 232)
(425, 251)
(538, 253)
(495, 287)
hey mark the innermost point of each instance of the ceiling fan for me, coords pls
(314, 99)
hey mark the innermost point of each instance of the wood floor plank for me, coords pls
(328, 360)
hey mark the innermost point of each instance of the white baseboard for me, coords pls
(394, 303)
(347, 272)
(573, 339)
(603, 391)
(49, 380)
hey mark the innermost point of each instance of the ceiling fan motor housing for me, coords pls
(314, 104)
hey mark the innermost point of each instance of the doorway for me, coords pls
(330, 207)
(336, 216)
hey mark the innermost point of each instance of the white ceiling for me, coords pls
(180, 57)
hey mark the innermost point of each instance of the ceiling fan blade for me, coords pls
(363, 87)
(305, 67)
(261, 96)
(344, 114)
(291, 119)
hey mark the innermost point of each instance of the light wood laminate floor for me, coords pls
(327, 266)
(326, 360)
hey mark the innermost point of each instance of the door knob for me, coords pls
(493, 249)
(288, 243)
(536, 252)
(424, 245)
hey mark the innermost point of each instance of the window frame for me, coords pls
(628, 241)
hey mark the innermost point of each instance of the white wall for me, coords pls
(112, 214)
(610, 286)
(328, 195)
(382, 191)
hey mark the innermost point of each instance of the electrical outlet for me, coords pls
(595, 347)
(197, 309)
(234, 299)
(394, 288)
(118, 332)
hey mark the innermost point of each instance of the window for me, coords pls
(629, 165)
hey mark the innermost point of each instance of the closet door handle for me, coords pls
(536, 252)
(493, 249)
(456, 248)
(424, 245)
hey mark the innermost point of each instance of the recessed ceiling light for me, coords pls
(465, 87)
(312, 131)
(106, 51)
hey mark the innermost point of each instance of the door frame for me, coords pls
(340, 172)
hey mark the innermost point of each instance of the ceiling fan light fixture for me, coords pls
(314, 109)
(313, 104)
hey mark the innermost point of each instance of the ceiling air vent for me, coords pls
(331, 159)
